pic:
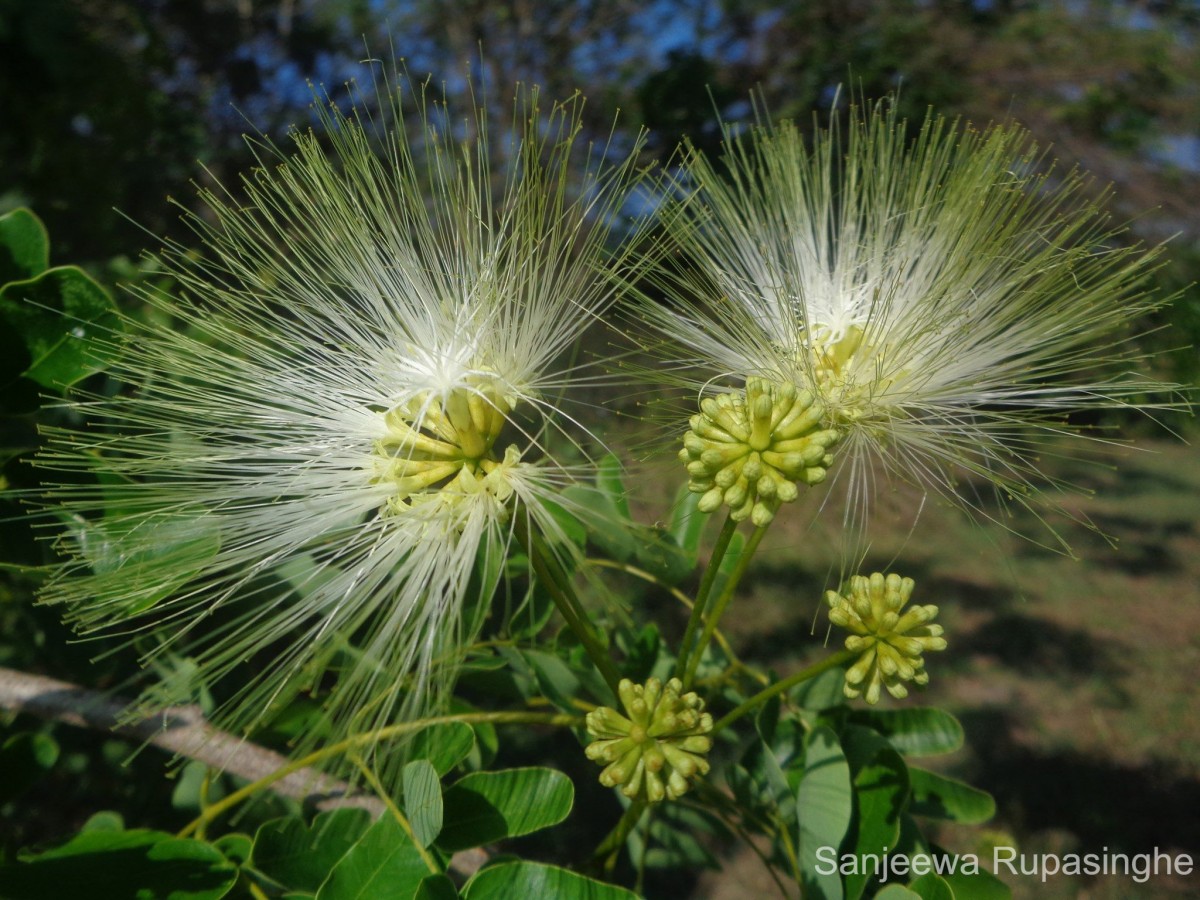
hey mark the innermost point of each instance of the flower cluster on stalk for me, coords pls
(748, 451)
(890, 641)
(946, 300)
(341, 411)
(657, 749)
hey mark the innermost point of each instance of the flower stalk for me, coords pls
(722, 603)
(782, 686)
(706, 583)
(550, 575)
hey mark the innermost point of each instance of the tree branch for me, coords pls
(181, 730)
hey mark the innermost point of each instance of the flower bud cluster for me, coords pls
(445, 443)
(750, 450)
(657, 749)
(891, 643)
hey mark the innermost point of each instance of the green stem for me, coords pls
(556, 584)
(735, 664)
(830, 662)
(722, 603)
(611, 845)
(706, 582)
(401, 819)
(369, 737)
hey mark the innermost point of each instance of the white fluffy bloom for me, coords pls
(333, 426)
(944, 300)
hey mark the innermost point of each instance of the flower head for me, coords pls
(945, 301)
(658, 748)
(891, 643)
(330, 430)
(749, 450)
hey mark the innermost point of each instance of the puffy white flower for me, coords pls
(945, 300)
(333, 427)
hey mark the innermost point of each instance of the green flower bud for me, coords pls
(657, 748)
(891, 644)
(748, 451)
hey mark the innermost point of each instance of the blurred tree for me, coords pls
(1111, 86)
(111, 103)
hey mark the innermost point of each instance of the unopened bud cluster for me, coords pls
(657, 749)
(446, 443)
(891, 643)
(749, 451)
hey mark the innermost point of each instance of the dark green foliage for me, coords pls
(116, 865)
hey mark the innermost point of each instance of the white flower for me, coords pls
(945, 301)
(332, 428)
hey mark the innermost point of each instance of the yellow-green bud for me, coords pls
(656, 750)
(446, 444)
(749, 450)
(891, 644)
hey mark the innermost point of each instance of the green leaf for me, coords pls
(305, 574)
(105, 820)
(679, 837)
(608, 479)
(423, 800)
(947, 798)
(24, 246)
(732, 554)
(531, 880)
(824, 806)
(604, 510)
(299, 856)
(917, 731)
(554, 678)
(68, 324)
(486, 746)
(780, 748)
(687, 523)
(981, 885)
(896, 892)
(119, 865)
(607, 528)
(931, 887)
(445, 745)
(237, 848)
(823, 692)
(659, 554)
(193, 783)
(436, 887)
(913, 845)
(157, 555)
(383, 865)
(572, 529)
(880, 791)
(484, 807)
(645, 653)
(24, 759)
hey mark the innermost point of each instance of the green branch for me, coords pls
(830, 662)
(371, 737)
(705, 588)
(710, 625)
